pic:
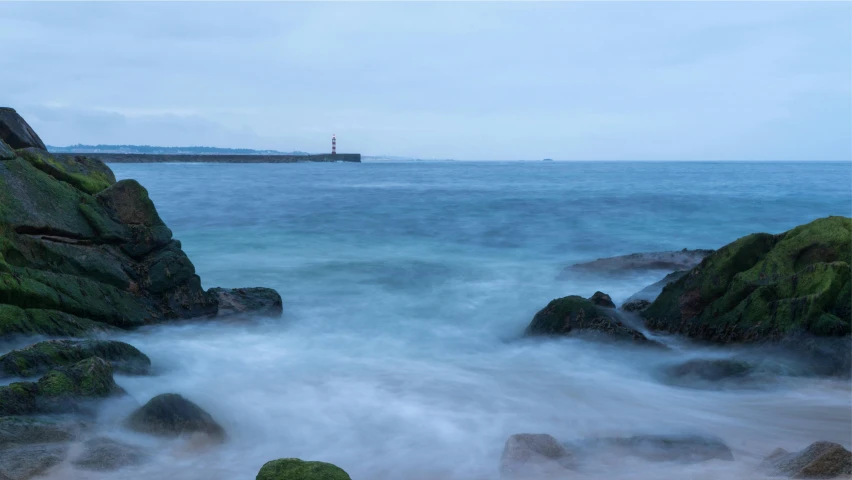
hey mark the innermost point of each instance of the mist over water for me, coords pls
(406, 288)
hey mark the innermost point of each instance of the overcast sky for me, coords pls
(500, 81)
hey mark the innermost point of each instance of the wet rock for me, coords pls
(709, 370)
(602, 300)
(171, 415)
(30, 430)
(295, 469)
(260, 301)
(674, 260)
(6, 152)
(819, 460)
(576, 315)
(41, 357)
(635, 305)
(528, 455)
(16, 132)
(670, 448)
(106, 454)
(28, 461)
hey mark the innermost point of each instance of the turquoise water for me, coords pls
(406, 287)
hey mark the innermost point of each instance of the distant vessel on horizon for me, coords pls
(547, 160)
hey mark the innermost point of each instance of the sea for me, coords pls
(406, 290)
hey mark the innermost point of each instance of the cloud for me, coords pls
(573, 80)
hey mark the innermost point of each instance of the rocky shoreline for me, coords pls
(84, 257)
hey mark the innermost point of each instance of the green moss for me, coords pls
(86, 174)
(56, 384)
(42, 356)
(17, 321)
(90, 378)
(295, 469)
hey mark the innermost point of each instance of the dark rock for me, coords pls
(528, 455)
(30, 430)
(16, 132)
(711, 370)
(763, 288)
(295, 469)
(261, 301)
(6, 152)
(106, 454)
(171, 415)
(602, 300)
(635, 305)
(673, 448)
(677, 260)
(819, 460)
(63, 389)
(651, 292)
(577, 315)
(25, 462)
(34, 321)
(41, 357)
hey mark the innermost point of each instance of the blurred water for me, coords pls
(405, 289)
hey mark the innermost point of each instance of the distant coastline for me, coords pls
(214, 158)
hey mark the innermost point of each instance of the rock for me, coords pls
(295, 469)
(6, 152)
(602, 300)
(87, 174)
(576, 315)
(708, 370)
(763, 288)
(635, 305)
(106, 454)
(261, 301)
(671, 448)
(171, 415)
(651, 292)
(30, 430)
(528, 455)
(819, 460)
(16, 132)
(41, 357)
(63, 389)
(15, 321)
(25, 462)
(676, 260)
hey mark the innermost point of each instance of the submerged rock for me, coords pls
(668, 448)
(30, 430)
(106, 454)
(171, 415)
(710, 370)
(22, 462)
(675, 260)
(41, 357)
(766, 287)
(819, 460)
(577, 315)
(260, 301)
(295, 469)
(528, 455)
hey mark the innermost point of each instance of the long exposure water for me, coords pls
(406, 288)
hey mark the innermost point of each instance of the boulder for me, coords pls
(635, 305)
(674, 260)
(819, 460)
(602, 300)
(669, 448)
(106, 454)
(295, 469)
(63, 389)
(260, 301)
(16, 132)
(41, 357)
(528, 455)
(171, 415)
(763, 288)
(577, 315)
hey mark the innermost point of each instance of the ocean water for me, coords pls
(406, 288)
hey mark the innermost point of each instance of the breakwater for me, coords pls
(166, 158)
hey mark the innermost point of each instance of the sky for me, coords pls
(467, 81)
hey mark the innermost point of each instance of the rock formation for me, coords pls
(41, 357)
(819, 460)
(171, 415)
(295, 469)
(676, 260)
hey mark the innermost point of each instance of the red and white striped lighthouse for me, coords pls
(333, 144)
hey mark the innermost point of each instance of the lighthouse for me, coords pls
(333, 144)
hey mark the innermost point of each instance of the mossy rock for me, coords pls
(87, 174)
(18, 398)
(16, 321)
(40, 357)
(295, 469)
(764, 287)
(171, 415)
(576, 315)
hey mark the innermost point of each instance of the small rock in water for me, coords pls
(295, 469)
(106, 454)
(529, 455)
(819, 460)
(602, 300)
(708, 370)
(171, 415)
(260, 301)
(672, 448)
